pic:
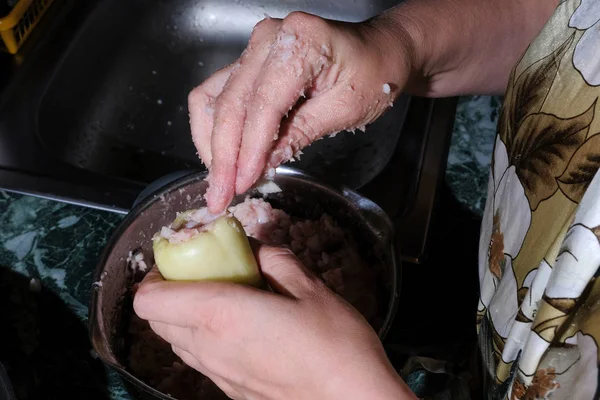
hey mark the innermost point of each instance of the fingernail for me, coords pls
(240, 180)
(240, 174)
(241, 186)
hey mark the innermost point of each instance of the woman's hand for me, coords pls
(304, 77)
(298, 80)
(303, 343)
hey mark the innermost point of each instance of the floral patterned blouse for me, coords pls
(539, 252)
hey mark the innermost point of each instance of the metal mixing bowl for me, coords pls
(301, 196)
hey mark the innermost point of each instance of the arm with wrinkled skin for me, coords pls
(460, 47)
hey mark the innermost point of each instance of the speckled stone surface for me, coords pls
(48, 252)
(471, 148)
(57, 245)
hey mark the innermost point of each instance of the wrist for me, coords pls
(369, 382)
(399, 44)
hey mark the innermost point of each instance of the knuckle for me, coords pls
(302, 21)
(177, 351)
(141, 293)
(197, 96)
(154, 326)
(183, 354)
(266, 25)
(217, 320)
(303, 128)
(229, 101)
(278, 254)
(265, 100)
(139, 302)
(296, 18)
(263, 33)
(310, 282)
(143, 297)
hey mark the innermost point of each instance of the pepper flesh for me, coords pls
(220, 251)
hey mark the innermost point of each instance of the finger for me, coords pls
(201, 108)
(329, 112)
(174, 335)
(158, 300)
(189, 304)
(294, 61)
(230, 114)
(285, 273)
(152, 276)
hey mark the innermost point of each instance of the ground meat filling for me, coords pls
(187, 225)
(322, 245)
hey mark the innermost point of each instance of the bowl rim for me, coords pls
(362, 204)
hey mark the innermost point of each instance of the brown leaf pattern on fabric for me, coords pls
(529, 92)
(596, 231)
(540, 145)
(535, 82)
(522, 317)
(497, 249)
(505, 120)
(581, 169)
(563, 305)
(552, 316)
(518, 390)
(521, 294)
(542, 148)
(547, 329)
(544, 383)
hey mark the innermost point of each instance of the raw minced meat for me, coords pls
(321, 244)
(266, 187)
(262, 222)
(187, 225)
(179, 236)
(136, 261)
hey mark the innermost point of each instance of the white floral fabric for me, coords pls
(585, 58)
(539, 250)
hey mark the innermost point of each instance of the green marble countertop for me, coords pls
(48, 253)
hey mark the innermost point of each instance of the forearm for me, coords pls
(374, 381)
(460, 46)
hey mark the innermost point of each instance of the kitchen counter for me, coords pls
(49, 250)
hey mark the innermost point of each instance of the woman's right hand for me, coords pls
(299, 79)
(301, 341)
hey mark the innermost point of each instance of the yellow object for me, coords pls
(219, 253)
(18, 24)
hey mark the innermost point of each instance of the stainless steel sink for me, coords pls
(118, 104)
(98, 108)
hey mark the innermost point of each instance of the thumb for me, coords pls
(284, 271)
